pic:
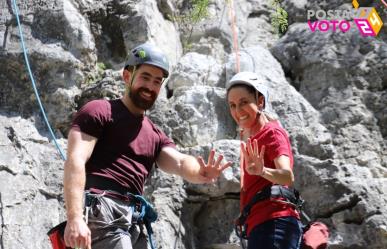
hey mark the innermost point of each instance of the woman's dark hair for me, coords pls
(249, 88)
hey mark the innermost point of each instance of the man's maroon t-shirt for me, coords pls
(127, 145)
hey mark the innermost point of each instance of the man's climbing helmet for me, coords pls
(148, 54)
(250, 79)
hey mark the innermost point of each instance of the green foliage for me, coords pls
(197, 11)
(279, 19)
(98, 74)
(101, 66)
(90, 79)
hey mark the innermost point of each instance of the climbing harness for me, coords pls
(147, 215)
(276, 193)
(315, 234)
(142, 213)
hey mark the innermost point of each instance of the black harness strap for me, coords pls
(143, 211)
(275, 192)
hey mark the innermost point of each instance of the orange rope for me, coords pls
(237, 69)
(234, 35)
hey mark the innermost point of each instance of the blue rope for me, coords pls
(33, 81)
(147, 215)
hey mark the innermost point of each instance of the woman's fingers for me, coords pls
(255, 146)
(249, 147)
(262, 153)
(243, 149)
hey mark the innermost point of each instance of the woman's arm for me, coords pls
(282, 174)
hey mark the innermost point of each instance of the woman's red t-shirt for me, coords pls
(277, 143)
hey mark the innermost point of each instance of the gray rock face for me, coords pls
(31, 190)
(195, 69)
(195, 115)
(328, 91)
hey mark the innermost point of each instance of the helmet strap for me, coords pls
(132, 75)
(131, 81)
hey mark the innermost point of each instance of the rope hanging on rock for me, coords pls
(16, 12)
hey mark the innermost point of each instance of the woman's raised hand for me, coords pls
(253, 158)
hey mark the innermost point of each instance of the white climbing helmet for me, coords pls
(250, 79)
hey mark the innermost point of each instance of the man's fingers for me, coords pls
(201, 162)
(211, 157)
(225, 166)
(84, 241)
(67, 242)
(205, 179)
(81, 243)
(71, 241)
(217, 163)
(88, 241)
(77, 234)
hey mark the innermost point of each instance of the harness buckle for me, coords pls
(240, 228)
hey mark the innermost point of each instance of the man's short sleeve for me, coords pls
(92, 117)
(164, 141)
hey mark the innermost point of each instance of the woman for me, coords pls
(267, 159)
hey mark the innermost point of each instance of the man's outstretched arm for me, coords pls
(192, 169)
(80, 147)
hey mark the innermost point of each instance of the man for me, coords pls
(112, 146)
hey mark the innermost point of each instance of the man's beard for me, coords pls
(139, 101)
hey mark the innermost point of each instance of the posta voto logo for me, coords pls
(366, 19)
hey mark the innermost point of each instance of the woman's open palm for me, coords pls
(253, 158)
